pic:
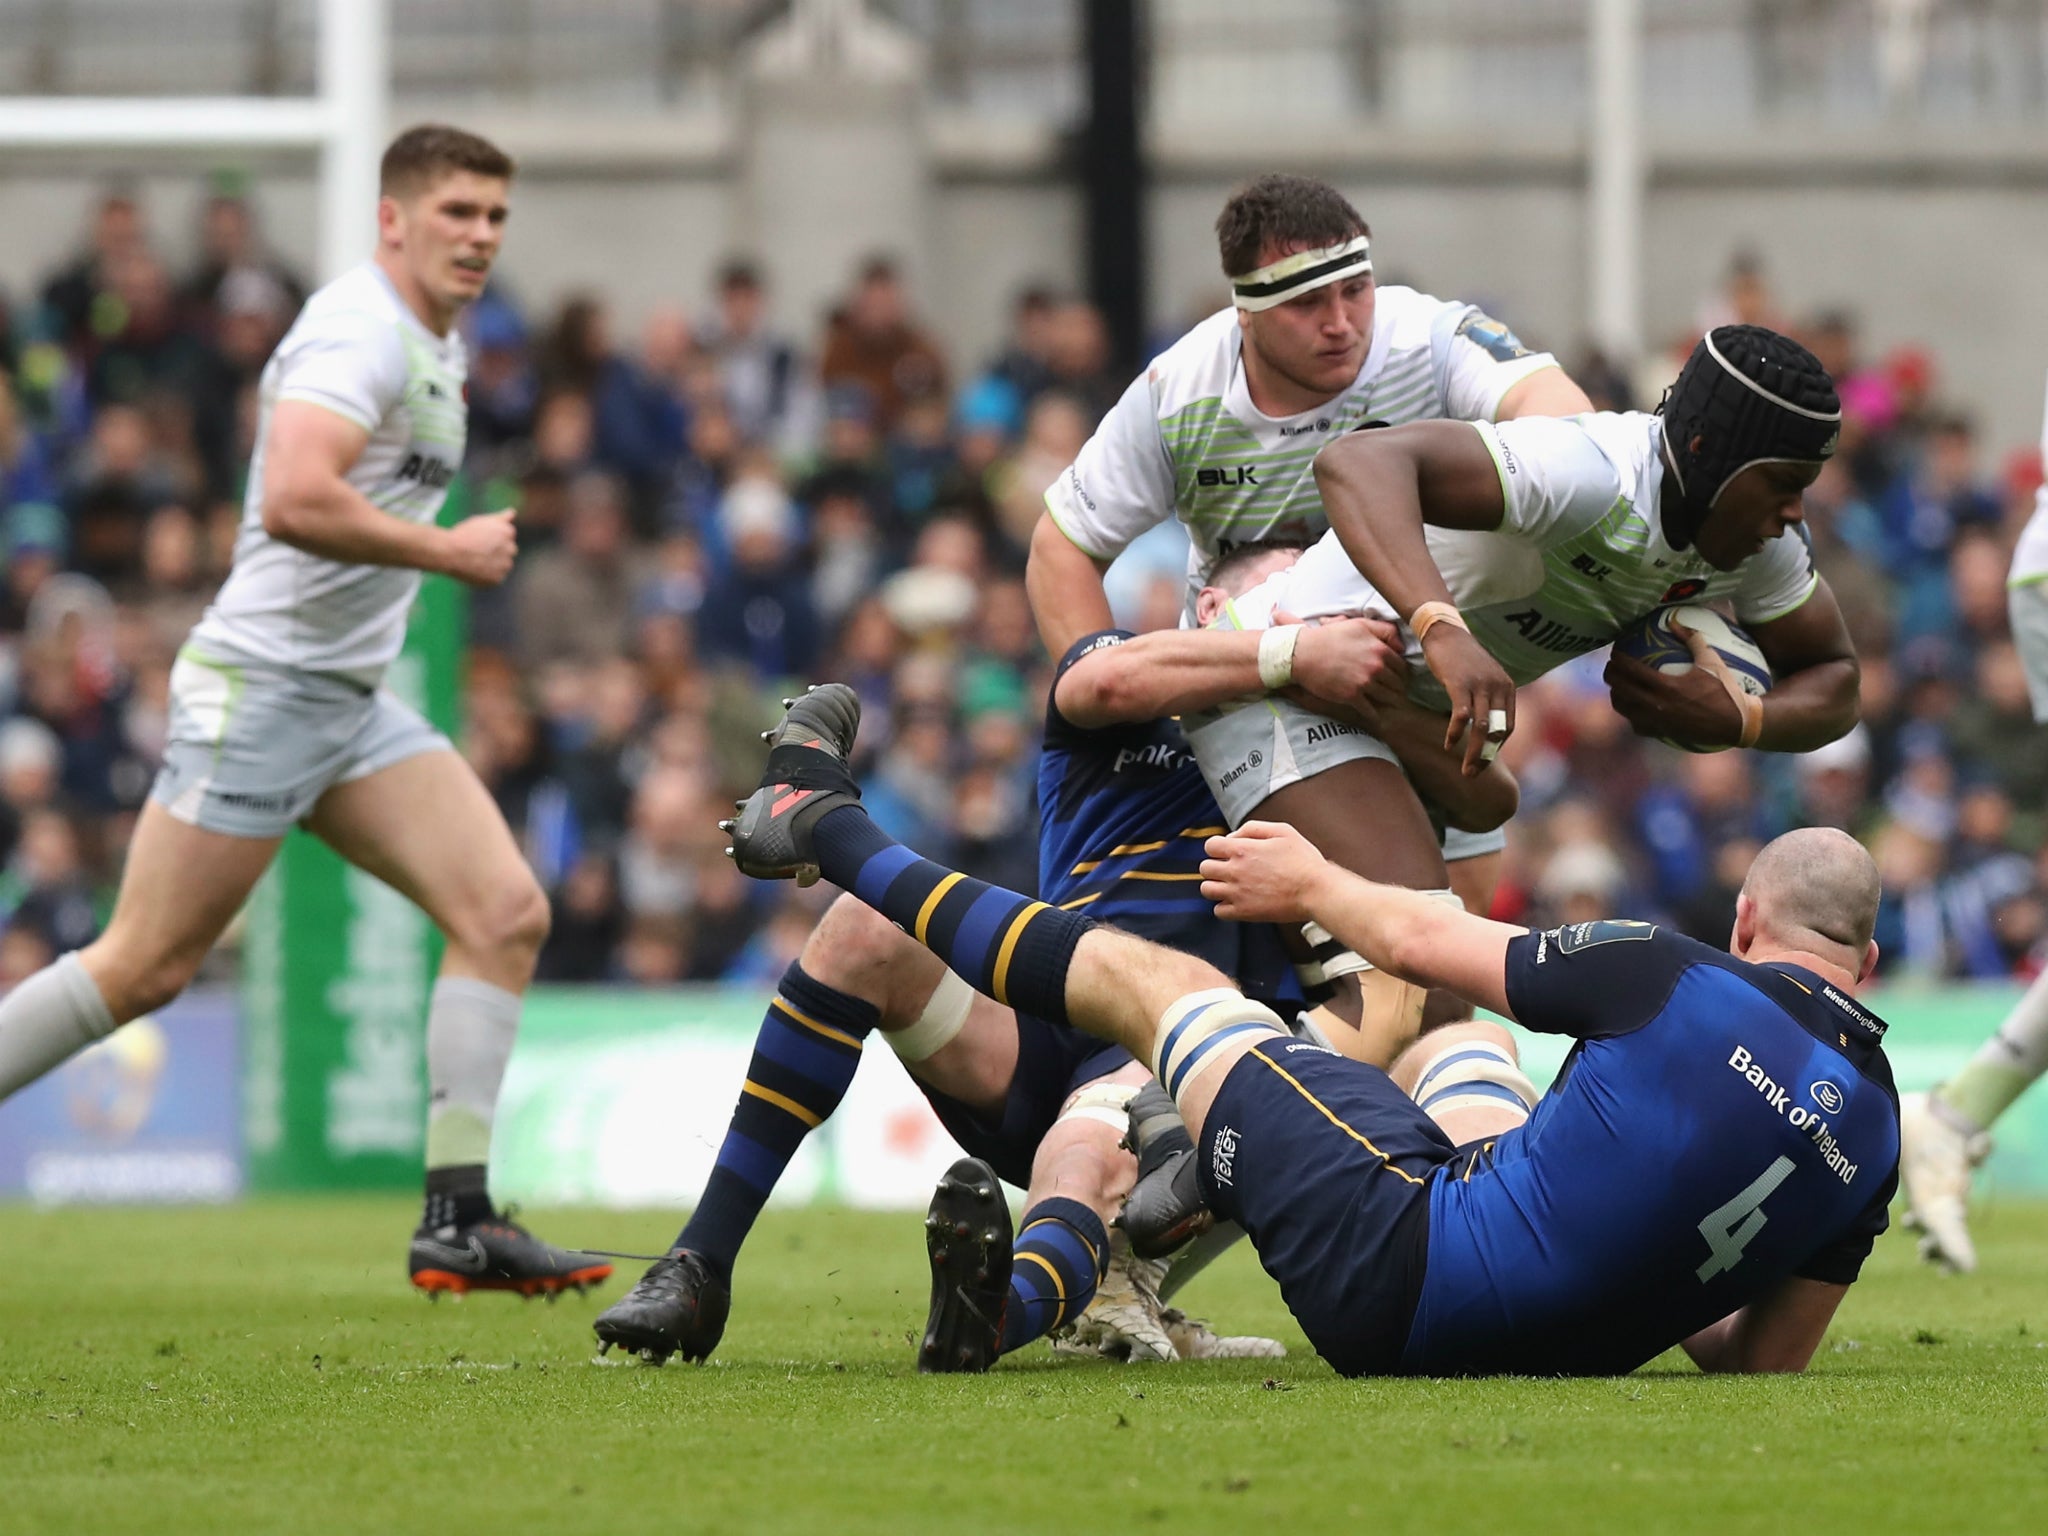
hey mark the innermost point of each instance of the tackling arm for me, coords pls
(1776, 1332)
(1266, 872)
(309, 504)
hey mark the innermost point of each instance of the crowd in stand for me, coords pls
(713, 508)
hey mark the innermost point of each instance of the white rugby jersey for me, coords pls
(2030, 554)
(1185, 437)
(1580, 554)
(357, 349)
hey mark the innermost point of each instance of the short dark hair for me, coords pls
(1234, 559)
(426, 152)
(738, 272)
(1281, 210)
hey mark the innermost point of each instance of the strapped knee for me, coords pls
(1473, 1074)
(1184, 1044)
(1107, 1102)
(945, 1015)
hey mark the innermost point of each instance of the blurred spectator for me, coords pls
(575, 603)
(236, 267)
(80, 297)
(872, 341)
(761, 375)
(759, 613)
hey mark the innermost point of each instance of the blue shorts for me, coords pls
(1326, 1164)
(1052, 1061)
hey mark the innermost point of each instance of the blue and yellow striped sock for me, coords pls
(1060, 1257)
(1004, 945)
(804, 1057)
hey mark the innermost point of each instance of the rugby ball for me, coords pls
(1653, 642)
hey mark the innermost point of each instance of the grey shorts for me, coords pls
(2028, 606)
(1257, 749)
(253, 747)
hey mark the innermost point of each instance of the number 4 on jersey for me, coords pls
(1729, 1228)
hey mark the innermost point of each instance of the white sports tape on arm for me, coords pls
(1276, 656)
(944, 1016)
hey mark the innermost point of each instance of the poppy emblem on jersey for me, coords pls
(1826, 1095)
(1682, 591)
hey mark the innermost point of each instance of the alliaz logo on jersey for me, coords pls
(430, 472)
(1551, 634)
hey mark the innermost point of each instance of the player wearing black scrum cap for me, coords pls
(1506, 550)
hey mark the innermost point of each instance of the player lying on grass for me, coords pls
(1710, 1168)
(1507, 550)
(1123, 815)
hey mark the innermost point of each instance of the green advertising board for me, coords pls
(336, 972)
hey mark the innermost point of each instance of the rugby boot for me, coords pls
(497, 1254)
(679, 1304)
(806, 777)
(967, 1236)
(1165, 1210)
(1123, 1321)
(1194, 1339)
(1937, 1153)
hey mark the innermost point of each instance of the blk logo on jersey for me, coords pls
(1237, 474)
(1587, 565)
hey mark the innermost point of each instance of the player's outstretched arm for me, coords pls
(1340, 662)
(1778, 1331)
(1266, 872)
(1378, 490)
(309, 504)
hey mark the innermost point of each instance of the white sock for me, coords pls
(47, 1019)
(470, 1029)
(2006, 1065)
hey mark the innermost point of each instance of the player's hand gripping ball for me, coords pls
(1737, 659)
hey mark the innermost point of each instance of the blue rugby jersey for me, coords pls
(1123, 815)
(1718, 1127)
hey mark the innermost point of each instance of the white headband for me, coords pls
(1279, 281)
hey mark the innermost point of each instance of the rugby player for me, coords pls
(1507, 550)
(1221, 431)
(1710, 1169)
(279, 716)
(1948, 1129)
(1123, 814)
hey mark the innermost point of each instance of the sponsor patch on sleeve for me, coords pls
(1577, 936)
(1500, 343)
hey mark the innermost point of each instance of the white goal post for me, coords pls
(344, 122)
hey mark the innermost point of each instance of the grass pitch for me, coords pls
(265, 1368)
